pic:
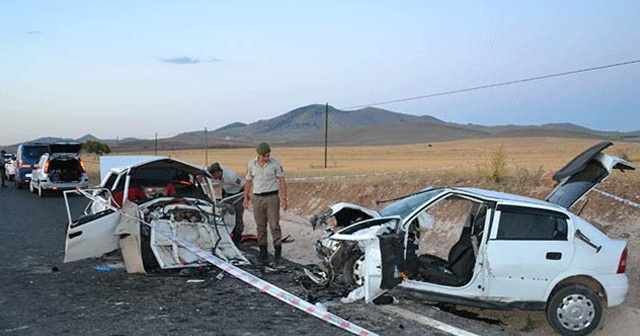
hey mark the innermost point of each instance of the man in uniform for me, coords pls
(231, 185)
(266, 188)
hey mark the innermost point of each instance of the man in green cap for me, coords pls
(231, 185)
(266, 188)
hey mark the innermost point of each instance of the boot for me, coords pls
(278, 254)
(237, 239)
(263, 257)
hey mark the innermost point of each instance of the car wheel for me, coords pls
(574, 310)
(353, 269)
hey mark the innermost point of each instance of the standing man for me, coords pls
(231, 185)
(3, 173)
(267, 190)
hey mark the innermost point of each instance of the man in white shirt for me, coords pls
(267, 190)
(231, 185)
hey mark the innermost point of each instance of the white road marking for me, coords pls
(426, 321)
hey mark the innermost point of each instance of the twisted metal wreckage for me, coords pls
(162, 214)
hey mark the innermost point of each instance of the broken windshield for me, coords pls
(408, 204)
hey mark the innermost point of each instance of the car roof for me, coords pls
(502, 197)
(158, 162)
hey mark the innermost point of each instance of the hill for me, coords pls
(305, 126)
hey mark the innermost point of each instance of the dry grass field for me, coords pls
(456, 157)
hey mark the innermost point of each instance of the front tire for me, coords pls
(574, 310)
(353, 269)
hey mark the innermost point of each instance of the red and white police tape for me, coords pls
(617, 198)
(266, 287)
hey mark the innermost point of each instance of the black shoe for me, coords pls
(263, 257)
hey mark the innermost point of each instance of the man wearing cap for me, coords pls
(231, 185)
(266, 188)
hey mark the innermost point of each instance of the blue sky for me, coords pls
(140, 68)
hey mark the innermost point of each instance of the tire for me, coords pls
(352, 270)
(574, 310)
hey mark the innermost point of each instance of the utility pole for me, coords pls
(326, 131)
(206, 151)
(156, 145)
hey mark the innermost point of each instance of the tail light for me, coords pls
(82, 165)
(46, 166)
(622, 265)
(23, 165)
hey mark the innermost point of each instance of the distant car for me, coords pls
(10, 166)
(61, 168)
(28, 155)
(165, 193)
(504, 252)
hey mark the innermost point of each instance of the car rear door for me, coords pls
(527, 249)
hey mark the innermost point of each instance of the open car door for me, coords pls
(92, 235)
(383, 253)
(584, 173)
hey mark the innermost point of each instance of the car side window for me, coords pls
(531, 226)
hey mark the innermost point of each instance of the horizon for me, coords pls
(168, 67)
(134, 138)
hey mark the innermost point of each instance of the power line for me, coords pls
(494, 85)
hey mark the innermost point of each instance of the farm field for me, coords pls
(548, 154)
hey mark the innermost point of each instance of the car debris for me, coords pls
(502, 251)
(146, 193)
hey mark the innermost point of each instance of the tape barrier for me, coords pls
(267, 287)
(253, 280)
(617, 198)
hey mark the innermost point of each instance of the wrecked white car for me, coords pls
(494, 250)
(138, 204)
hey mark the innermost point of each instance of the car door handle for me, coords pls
(74, 234)
(554, 255)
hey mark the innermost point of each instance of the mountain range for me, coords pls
(305, 126)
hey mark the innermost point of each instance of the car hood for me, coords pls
(584, 173)
(65, 148)
(345, 214)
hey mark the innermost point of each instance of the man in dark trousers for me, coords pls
(231, 185)
(3, 173)
(266, 188)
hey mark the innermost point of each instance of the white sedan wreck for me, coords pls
(493, 250)
(142, 206)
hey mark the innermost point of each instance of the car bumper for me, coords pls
(63, 186)
(616, 287)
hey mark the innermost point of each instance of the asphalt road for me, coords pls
(39, 295)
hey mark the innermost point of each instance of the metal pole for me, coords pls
(156, 145)
(326, 131)
(206, 145)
